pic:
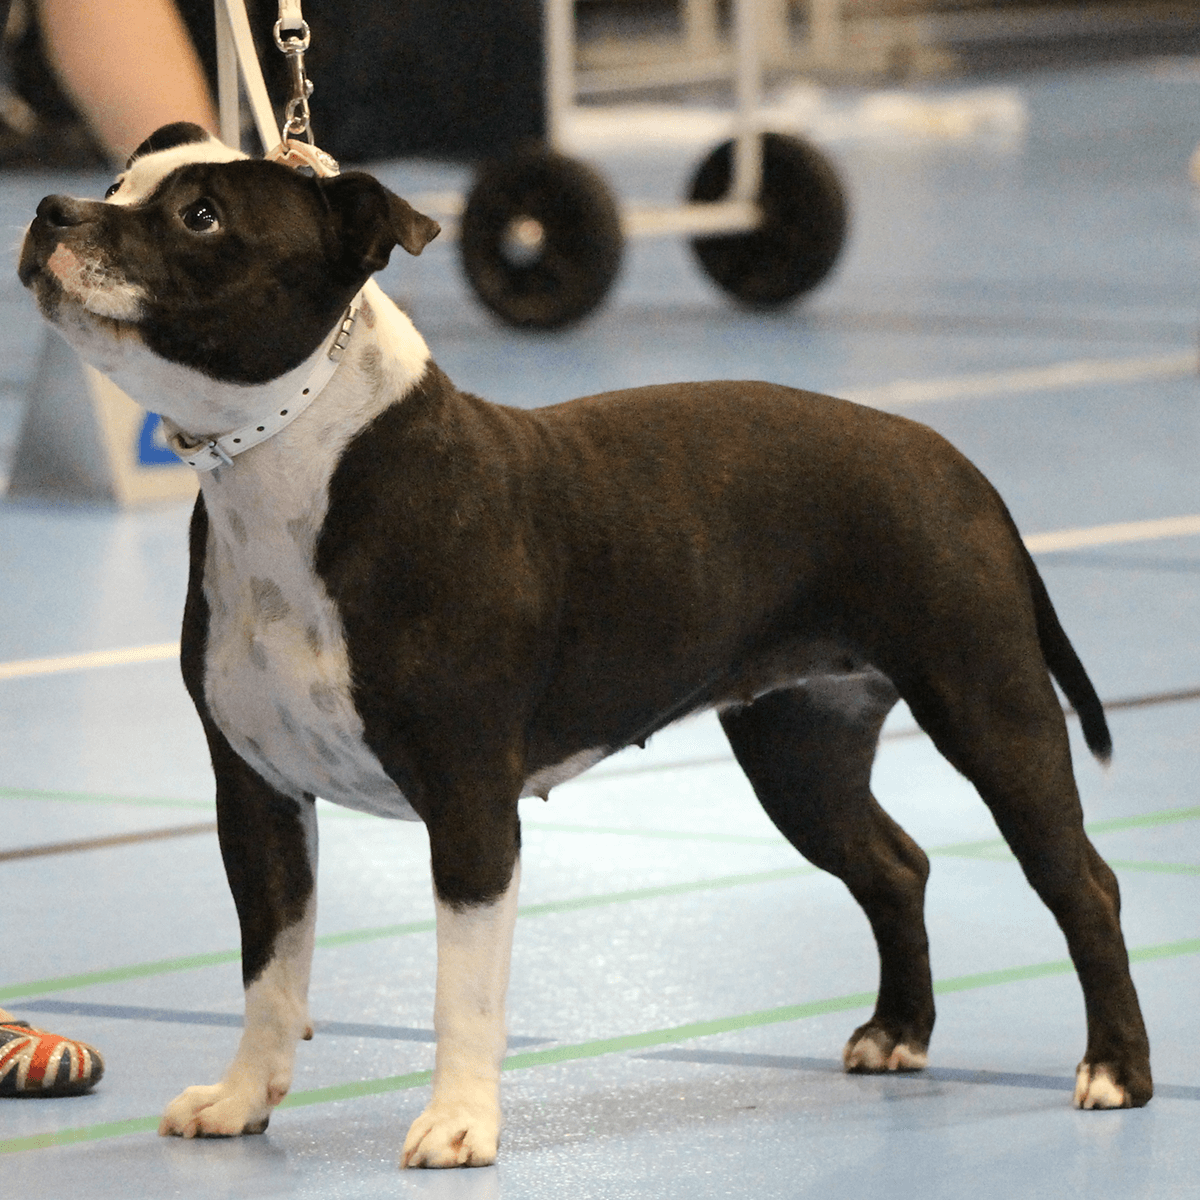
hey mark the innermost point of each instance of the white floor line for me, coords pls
(1063, 539)
(25, 668)
(1056, 376)
(1115, 534)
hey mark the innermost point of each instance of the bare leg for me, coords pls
(131, 68)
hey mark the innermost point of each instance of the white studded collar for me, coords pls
(205, 453)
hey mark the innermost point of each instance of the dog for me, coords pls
(416, 603)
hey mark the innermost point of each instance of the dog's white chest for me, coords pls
(277, 674)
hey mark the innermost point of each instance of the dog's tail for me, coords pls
(1064, 664)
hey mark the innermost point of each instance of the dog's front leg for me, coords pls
(269, 844)
(475, 920)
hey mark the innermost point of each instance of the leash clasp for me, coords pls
(304, 154)
(297, 120)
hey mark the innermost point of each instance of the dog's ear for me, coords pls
(372, 219)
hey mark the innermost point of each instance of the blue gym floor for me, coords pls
(1025, 282)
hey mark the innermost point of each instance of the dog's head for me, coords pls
(232, 267)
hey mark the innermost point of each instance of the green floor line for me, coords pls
(993, 849)
(614, 1045)
(352, 936)
(1000, 853)
(977, 848)
(101, 798)
(62, 983)
(1165, 816)
(987, 846)
(1155, 868)
(982, 979)
(351, 1091)
(575, 904)
(664, 890)
(984, 848)
(84, 1133)
(682, 1033)
(164, 966)
(1165, 950)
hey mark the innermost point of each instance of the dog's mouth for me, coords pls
(66, 281)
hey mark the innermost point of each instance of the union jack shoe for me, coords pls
(36, 1063)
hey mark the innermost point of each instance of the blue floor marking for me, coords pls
(180, 1016)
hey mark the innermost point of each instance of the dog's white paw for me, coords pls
(873, 1051)
(1096, 1088)
(453, 1135)
(218, 1110)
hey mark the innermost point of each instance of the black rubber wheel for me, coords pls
(540, 239)
(805, 219)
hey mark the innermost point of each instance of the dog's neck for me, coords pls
(289, 398)
(280, 487)
(383, 358)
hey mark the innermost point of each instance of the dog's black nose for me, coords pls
(63, 211)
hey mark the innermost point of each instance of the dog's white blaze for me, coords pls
(462, 1122)
(144, 174)
(540, 782)
(277, 674)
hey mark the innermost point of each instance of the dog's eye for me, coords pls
(201, 217)
(112, 190)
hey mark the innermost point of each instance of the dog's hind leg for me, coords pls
(476, 875)
(808, 751)
(1009, 738)
(269, 844)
